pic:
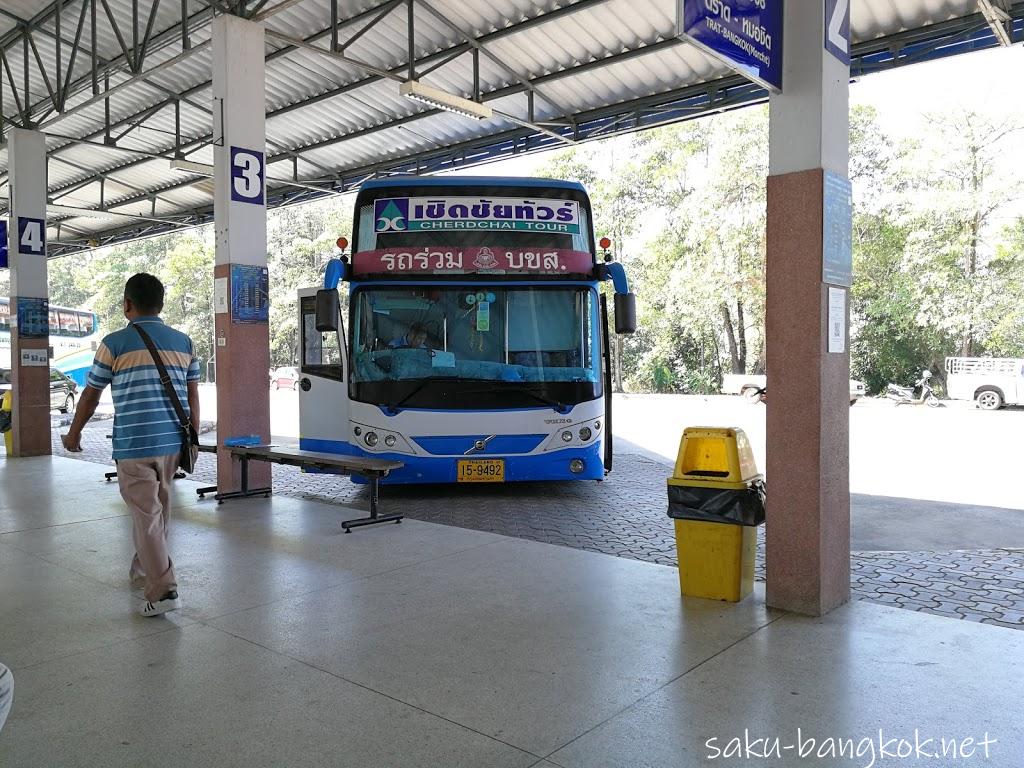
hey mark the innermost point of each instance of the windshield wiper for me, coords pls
(556, 404)
(394, 407)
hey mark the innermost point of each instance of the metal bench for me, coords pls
(371, 469)
(203, 448)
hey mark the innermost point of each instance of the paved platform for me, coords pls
(432, 645)
(963, 561)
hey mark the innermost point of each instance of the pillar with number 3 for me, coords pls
(240, 219)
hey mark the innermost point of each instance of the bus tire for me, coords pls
(988, 399)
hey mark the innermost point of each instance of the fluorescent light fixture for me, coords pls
(449, 102)
(203, 169)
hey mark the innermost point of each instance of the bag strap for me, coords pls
(165, 379)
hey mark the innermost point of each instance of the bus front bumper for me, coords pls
(552, 465)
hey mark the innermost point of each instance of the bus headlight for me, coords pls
(576, 466)
(567, 436)
(370, 438)
(389, 441)
(585, 434)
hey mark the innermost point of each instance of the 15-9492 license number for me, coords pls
(481, 471)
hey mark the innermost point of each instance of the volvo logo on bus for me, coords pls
(479, 445)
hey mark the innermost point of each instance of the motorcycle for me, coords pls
(905, 395)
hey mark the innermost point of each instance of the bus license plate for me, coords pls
(481, 471)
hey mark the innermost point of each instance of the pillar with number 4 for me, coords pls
(29, 305)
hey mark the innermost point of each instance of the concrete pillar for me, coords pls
(240, 221)
(808, 529)
(26, 248)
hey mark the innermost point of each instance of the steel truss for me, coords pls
(141, 40)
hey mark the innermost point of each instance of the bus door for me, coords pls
(323, 381)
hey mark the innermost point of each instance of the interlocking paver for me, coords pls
(625, 516)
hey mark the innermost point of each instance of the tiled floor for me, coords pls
(431, 645)
(625, 516)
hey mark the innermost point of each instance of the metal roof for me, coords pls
(122, 86)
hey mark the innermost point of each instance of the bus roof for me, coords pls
(469, 181)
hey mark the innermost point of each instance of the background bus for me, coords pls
(73, 339)
(477, 343)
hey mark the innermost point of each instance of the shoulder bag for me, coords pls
(189, 438)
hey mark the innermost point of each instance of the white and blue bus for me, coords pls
(477, 339)
(73, 339)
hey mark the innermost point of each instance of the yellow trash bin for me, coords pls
(716, 499)
(6, 406)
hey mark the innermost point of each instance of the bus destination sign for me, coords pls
(744, 34)
(420, 214)
(463, 261)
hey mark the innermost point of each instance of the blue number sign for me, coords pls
(31, 236)
(745, 34)
(837, 29)
(247, 176)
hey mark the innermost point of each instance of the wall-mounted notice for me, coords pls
(33, 318)
(220, 295)
(837, 231)
(35, 357)
(250, 294)
(836, 319)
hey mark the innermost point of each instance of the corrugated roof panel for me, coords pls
(583, 56)
(870, 19)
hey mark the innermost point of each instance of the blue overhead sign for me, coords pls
(837, 29)
(745, 34)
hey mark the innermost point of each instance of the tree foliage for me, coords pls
(938, 250)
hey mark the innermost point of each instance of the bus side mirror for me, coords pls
(328, 309)
(625, 312)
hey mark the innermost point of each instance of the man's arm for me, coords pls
(86, 408)
(193, 404)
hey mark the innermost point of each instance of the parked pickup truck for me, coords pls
(747, 384)
(991, 382)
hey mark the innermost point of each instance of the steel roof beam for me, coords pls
(890, 49)
(997, 15)
(461, 48)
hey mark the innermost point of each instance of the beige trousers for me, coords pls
(145, 487)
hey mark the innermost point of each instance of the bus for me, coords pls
(73, 339)
(474, 345)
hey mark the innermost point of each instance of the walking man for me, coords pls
(147, 433)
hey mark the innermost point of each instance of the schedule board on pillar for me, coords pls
(250, 294)
(746, 35)
(33, 317)
(837, 230)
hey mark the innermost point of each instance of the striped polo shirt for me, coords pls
(144, 420)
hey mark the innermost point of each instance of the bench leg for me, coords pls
(374, 518)
(245, 492)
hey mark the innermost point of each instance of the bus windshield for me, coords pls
(475, 346)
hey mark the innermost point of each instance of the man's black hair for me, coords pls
(146, 292)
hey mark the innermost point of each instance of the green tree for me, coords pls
(962, 187)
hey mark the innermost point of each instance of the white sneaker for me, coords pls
(169, 602)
